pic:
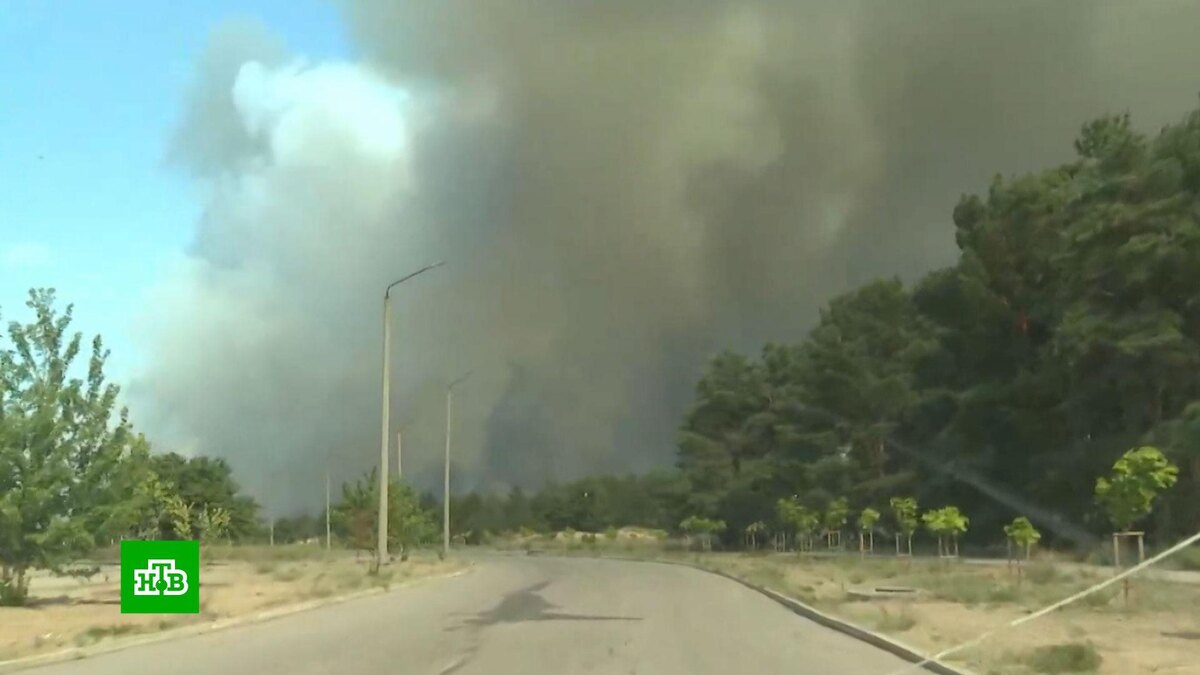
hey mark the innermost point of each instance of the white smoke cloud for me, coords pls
(320, 181)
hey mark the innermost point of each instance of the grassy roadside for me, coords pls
(236, 581)
(1157, 632)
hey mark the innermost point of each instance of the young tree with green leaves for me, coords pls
(799, 519)
(866, 530)
(355, 517)
(1023, 534)
(753, 532)
(904, 511)
(1137, 479)
(60, 447)
(705, 527)
(945, 522)
(1127, 495)
(835, 519)
(213, 524)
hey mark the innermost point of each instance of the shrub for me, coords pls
(1042, 573)
(1072, 657)
(610, 533)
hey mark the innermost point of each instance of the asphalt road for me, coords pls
(524, 616)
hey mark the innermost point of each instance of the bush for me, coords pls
(610, 533)
(1099, 599)
(1072, 657)
(965, 589)
(1042, 573)
(1187, 559)
(1001, 594)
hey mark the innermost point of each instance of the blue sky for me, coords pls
(88, 99)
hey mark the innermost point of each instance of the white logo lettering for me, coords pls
(159, 577)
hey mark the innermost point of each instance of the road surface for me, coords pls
(524, 616)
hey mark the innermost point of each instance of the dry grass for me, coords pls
(957, 602)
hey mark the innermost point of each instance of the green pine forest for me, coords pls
(1067, 333)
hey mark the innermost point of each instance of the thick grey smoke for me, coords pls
(618, 188)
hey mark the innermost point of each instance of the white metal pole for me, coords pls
(328, 530)
(446, 478)
(399, 455)
(381, 544)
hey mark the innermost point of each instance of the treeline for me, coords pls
(1065, 334)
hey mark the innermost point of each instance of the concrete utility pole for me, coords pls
(446, 477)
(327, 528)
(381, 545)
(399, 454)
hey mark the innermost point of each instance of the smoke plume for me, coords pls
(619, 189)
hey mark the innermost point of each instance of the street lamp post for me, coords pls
(381, 547)
(446, 475)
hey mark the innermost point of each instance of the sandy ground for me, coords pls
(1159, 632)
(66, 612)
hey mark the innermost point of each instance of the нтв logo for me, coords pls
(160, 577)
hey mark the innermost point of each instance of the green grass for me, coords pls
(263, 554)
(1042, 573)
(960, 587)
(1187, 559)
(1072, 657)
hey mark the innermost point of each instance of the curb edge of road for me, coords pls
(878, 640)
(78, 653)
(887, 644)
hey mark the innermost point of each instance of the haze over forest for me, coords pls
(620, 190)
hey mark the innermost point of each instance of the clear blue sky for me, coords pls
(89, 94)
